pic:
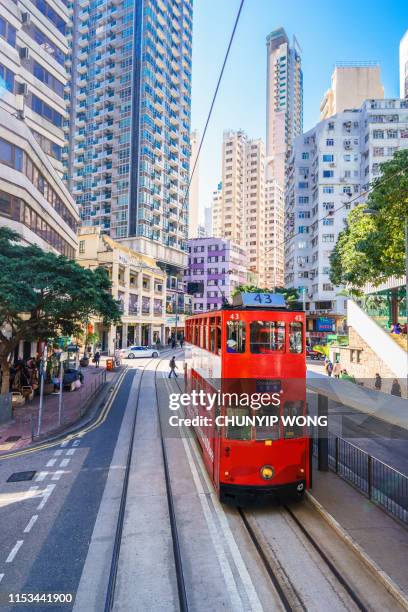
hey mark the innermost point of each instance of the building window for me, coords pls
(329, 142)
(328, 158)
(8, 32)
(49, 12)
(11, 155)
(45, 77)
(82, 247)
(46, 111)
(328, 173)
(7, 76)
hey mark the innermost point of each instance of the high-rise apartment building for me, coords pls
(351, 84)
(284, 101)
(33, 199)
(208, 221)
(254, 228)
(230, 221)
(215, 268)
(193, 194)
(216, 212)
(274, 259)
(403, 66)
(130, 123)
(332, 165)
(238, 211)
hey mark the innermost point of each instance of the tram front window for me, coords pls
(236, 337)
(238, 431)
(268, 432)
(267, 336)
(295, 337)
(291, 410)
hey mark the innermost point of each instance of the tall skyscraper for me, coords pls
(216, 212)
(33, 198)
(351, 85)
(284, 101)
(193, 195)
(403, 63)
(274, 259)
(239, 209)
(130, 122)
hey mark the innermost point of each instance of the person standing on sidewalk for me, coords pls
(378, 382)
(173, 366)
(336, 369)
(396, 388)
(97, 358)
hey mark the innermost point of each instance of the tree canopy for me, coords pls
(43, 295)
(291, 295)
(371, 247)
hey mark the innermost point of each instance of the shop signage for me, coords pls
(325, 324)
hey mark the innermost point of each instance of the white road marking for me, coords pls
(71, 451)
(64, 443)
(41, 476)
(58, 452)
(14, 551)
(31, 523)
(76, 443)
(64, 462)
(47, 492)
(57, 475)
(50, 463)
(1, 577)
(30, 491)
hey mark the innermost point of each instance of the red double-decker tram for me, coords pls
(252, 349)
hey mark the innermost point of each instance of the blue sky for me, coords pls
(328, 32)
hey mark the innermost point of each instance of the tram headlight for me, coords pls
(267, 472)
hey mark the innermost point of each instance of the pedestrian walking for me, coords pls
(378, 382)
(173, 367)
(396, 388)
(173, 343)
(336, 369)
(329, 368)
(157, 343)
(170, 340)
(97, 358)
(181, 342)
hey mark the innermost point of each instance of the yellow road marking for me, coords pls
(100, 419)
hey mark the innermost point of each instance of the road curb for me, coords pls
(106, 390)
(383, 577)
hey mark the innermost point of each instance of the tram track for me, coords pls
(290, 596)
(110, 593)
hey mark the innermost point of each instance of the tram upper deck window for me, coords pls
(295, 337)
(267, 336)
(236, 331)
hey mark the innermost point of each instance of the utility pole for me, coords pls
(43, 373)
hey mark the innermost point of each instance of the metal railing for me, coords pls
(381, 483)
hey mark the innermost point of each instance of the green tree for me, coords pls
(291, 295)
(371, 247)
(43, 295)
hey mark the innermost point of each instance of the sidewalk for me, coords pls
(17, 434)
(383, 539)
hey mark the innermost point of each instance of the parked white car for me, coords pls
(133, 352)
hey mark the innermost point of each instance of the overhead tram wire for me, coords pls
(214, 98)
(333, 212)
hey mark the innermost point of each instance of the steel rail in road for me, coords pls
(110, 594)
(289, 596)
(181, 586)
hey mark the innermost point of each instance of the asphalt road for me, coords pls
(47, 523)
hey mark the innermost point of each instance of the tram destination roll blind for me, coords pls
(260, 300)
